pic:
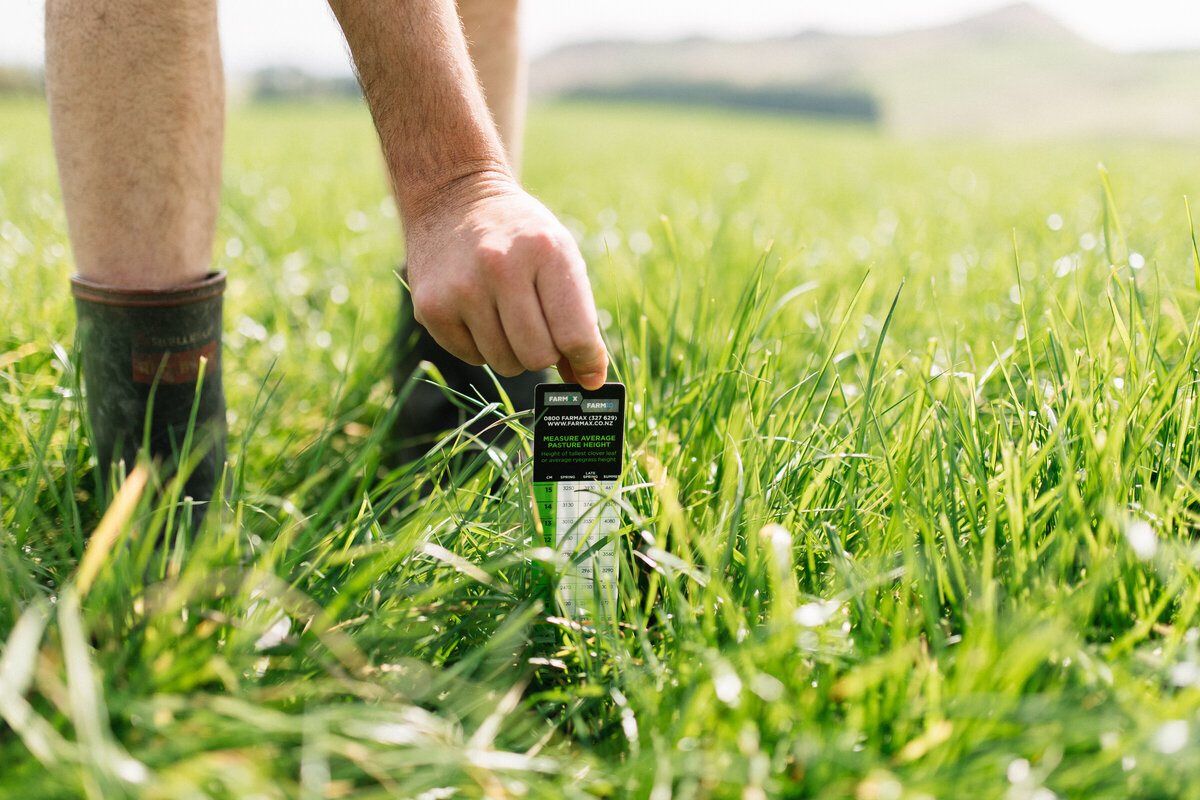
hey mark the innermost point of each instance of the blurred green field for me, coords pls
(912, 492)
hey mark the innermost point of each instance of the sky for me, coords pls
(302, 33)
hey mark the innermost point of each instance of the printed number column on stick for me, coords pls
(578, 442)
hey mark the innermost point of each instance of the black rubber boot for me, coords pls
(429, 410)
(141, 350)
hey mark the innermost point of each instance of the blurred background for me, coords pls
(925, 67)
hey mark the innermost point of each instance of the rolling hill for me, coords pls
(1014, 72)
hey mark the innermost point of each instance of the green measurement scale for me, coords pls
(578, 440)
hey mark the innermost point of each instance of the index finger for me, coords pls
(566, 298)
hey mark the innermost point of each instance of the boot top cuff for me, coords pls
(212, 285)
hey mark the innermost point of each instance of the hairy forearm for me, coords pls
(495, 278)
(434, 125)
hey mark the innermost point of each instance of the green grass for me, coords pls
(913, 481)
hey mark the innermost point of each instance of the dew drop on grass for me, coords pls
(294, 261)
(250, 329)
(810, 615)
(130, 770)
(250, 184)
(767, 687)
(15, 237)
(629, 724)
(779, 539)
(879, 785)
(439, 793)
(640, 243)
(1018, 770)
(1142, 539)
(296, 283)
(278, 199)
(860, 247)
(728, 686)
(1137, 260)
(1185, 673)
(394, 733)
(1171, 737)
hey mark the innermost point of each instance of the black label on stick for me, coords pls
(578, 434)
(577, 447)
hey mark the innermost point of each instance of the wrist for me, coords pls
(423, 203)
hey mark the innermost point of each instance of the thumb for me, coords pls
(587, 368)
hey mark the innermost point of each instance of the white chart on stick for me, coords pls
(586, 522)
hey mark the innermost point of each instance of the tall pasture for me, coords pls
(910, 498)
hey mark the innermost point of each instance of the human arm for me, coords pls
(495, 278)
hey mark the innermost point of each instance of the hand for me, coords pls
(496, 279)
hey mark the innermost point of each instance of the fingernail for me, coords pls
(591, 380)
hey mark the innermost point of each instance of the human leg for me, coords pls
(136, 97)
(492, 28)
